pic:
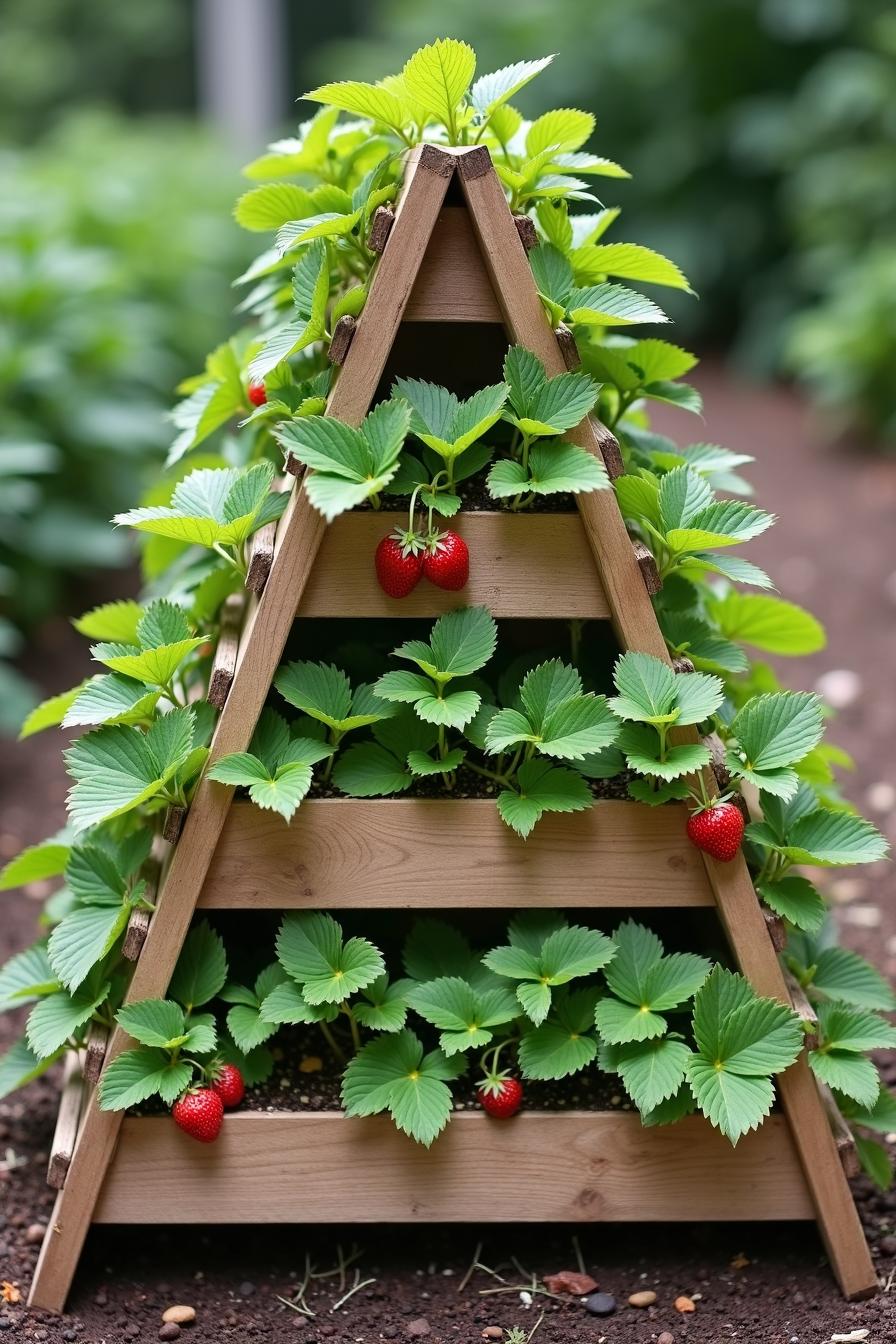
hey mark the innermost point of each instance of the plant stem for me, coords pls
(356, 1035)
(332, 1042)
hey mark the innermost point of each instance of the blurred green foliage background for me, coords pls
(761, 135)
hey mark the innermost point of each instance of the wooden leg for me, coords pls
(838, 1220)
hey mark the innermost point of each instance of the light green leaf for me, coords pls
(108, 699)
(733, 1103)
(37, 862)
(136, 1075)
(551, 470)
(370, 770)
(795, 899)
(26, 976)
(311, 950)
(653, 1070)
(845, 976)
(852, 1074)
(438, 76)
(49, 713)
(562, 129)
(157, 1022)
(853, 1029)
(57, 1017)
(493, 90)
(83, 939)
(266, 208)
(384, 1006)
(768, 623)
(609, 305)
(829, 839)
(542, 788)
(116, 621)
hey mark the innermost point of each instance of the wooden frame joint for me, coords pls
(473, 163)
(380, 228)
(647, 565)
(342, 339)
(436, 161)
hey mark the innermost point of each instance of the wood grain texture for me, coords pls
(526, 323)
(383, 852)
(135, 934)
(591, 1167)
(452, 284)
(843, 1135)
(502, 575)
(66, 1130)
(380, 228)
(95, 1052)
(804, 1011)
(838, 1221)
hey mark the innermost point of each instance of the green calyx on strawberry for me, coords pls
(399, 561)
(499, 1095)
(717, 828)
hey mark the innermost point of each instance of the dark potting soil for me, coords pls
(307, 1077)
(469, 784)
(476, 499)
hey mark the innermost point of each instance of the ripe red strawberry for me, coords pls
(399, 562)
(199, 1113)
(501, 1096)
(257, 393)
(227, 1081)
(447, 560)
(717, 830)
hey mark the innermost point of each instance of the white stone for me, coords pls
(839, 687)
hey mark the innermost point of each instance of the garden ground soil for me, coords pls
(759, 1284)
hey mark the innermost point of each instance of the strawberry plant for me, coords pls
(461, 709)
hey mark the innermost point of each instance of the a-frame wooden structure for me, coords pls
(454, 253)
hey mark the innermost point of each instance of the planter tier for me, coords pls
(526, 565)
(406, 852)
(574, 1166)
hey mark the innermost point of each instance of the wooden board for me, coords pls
(502, 576)
(452, 284)
(344, 853)
(567, 1167)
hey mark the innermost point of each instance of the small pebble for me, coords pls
(665, 1338)
(643, 1299)
(600, 1304)
(887, 1245)
(180, 1315)
(684, 1304)
(570, 1281)
(35, 1234)
(840, 687)
(311, 1064)
(493, 1332)
(418, 1328)
(246, 1289)
(170, 1330)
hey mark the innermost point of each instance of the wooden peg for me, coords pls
(135, 934)
(261, 544)
(224, 663)
(568, 348)
(380, 228)
(342, 339)
(647, 565)
(526, 230)
(293, 466)
(775, 926)
(66, 1130)
(682, 664)
(609, 450)
(175, 816)
(803, 1009)
(843, 1135)
(95, 1052)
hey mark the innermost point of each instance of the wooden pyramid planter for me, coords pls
(451, 254)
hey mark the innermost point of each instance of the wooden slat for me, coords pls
(224, 662)
(838, 1220)
(66, 1130)
(524, 318)
(541, 1167)
(268, 624)
(380, 228)
(383, 852)
(502, 576)
(452, 284)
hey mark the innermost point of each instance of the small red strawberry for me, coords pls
(500, 1096)
(447, 560)
(257, 393)
(717, 829)
(199, 1113)
(399, 562)
(227, 1081)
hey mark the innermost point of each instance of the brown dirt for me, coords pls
(761, 1284)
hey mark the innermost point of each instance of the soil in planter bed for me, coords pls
(471, 785)
(475, 498)
(289, 1089)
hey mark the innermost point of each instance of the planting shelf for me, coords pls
(408, 852)
(573, 1166)
(528, 566)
